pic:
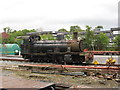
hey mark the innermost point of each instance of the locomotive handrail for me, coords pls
(103, 52)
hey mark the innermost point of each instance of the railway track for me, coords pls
(115, 67)
(87, 66)
(13, 59)
(55, 69)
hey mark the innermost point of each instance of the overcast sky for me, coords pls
(57, 14)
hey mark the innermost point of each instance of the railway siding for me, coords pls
(73, 76)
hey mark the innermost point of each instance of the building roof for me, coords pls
(4, 35)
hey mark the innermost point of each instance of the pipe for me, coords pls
(71, 66)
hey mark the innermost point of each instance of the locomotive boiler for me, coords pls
(53, 51)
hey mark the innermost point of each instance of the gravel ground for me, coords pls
(11, 69)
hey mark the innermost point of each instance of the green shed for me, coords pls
(9, 49)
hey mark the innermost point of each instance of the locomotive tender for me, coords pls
(54, 51)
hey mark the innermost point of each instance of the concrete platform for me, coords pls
(13, 82)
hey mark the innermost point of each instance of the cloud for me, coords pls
(55, 14)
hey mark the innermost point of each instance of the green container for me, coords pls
(9, 49)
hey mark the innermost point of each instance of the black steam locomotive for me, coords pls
(54, 51)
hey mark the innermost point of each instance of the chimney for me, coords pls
(75, 35)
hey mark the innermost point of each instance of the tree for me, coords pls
(75, 29)
(88, 27)
(7, 29)
(20, 33)
(89, 38)
(68, 36)
(47, 37)
(13, 35)
(0, 38)
(101, 41)
(117, 43)
(100, 27)
(62, 30)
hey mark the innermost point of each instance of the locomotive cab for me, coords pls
(34, 38)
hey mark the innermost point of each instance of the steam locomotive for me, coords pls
(59, 51)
